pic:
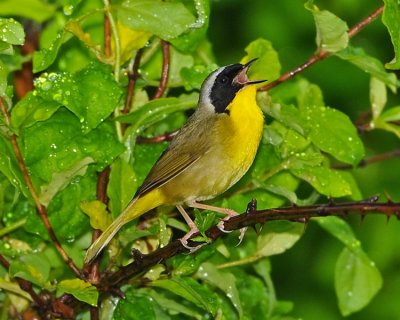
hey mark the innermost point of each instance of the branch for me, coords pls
(157, 139)
(39, 208)
(107, 35)
(165, 71)
(251, 217)
(370, 160)
(133, 74)
(320, 55)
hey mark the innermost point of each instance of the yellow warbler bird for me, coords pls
(210, 153)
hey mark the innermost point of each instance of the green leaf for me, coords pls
(121, 186)
(11, 31)
(190, 290)
(64, 211)
(391, 19)
(357, 280)
(8, 286)
(288, 115)
(377, 96)
(331, 30)
(392, 114)
(97, 212)
(325, 180)
(31, 109)
(47, 150)
(30, 9)
(137, 305)
(166, 20)
(193, 38)
(194, 76)
(157, 110)
(333, 132)
(368, 64)
(81, 290)
(308, 94)
(3, 78)
(60, 180)
(9, 166)
(92, 93)
(277, 237)
(267, 65)
(185, 265)
(45, 57)
(173, 306)
(32, 267)
(390, 127)
(254, 297)
(341, 230)
(222, 280)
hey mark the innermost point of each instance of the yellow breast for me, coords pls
(240, 133)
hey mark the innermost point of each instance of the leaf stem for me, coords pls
(12, 227)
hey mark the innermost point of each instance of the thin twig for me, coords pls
(41, 210)
(157, 139)
(117, 44)
(107, 35)
(165, 70)
(23, 284)
(133, 75)
(370, 160)
(320, 55)
(251, 217)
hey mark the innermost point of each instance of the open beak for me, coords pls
(242, 77)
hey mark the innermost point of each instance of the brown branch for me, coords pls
(41, 210)
(133, 75)
(320, 55)
(23, 79)
(107, 35)
(157, 139)
(251, 217)
(165, 70)
(370, 160)
(23, 284)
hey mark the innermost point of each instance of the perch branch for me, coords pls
(41, 210)
(251, 217)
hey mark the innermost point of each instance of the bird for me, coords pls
(209, 154)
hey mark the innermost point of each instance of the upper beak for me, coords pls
(242, 77)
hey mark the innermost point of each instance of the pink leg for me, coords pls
(192, 231)
(228, 212)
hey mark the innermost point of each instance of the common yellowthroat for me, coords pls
(210, 153)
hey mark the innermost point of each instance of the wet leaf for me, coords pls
(81, 290)
(167, 20)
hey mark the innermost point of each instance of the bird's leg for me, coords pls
(229, 213)
(192, 231)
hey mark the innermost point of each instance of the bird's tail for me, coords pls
(136, 208)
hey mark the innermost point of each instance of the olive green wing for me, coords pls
(171, 163)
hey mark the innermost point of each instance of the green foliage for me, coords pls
(70, 128)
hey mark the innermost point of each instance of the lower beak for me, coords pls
(242, 77)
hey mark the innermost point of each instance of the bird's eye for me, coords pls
(223, 79)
